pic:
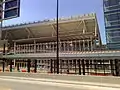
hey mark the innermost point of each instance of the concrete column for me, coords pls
(10, 65)
(83, 45)
(64, 46)
(3, 64)
(95, 66)
(18, 67)
(68, 48)
(54, 66)
(88, 45)
(80, 45)
(14, 47)
(35, 66)
(79, 65)
(75, 46)
(91, 45)
(112, 67)
(34, 46)
(104, 66)
(28, 65)
(67, 66)
(116, 68)
(83, 67)
(51, 65)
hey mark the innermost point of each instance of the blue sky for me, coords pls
(34, 10)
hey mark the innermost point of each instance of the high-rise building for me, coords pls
(112, 23)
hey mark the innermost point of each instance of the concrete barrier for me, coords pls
(97, 79)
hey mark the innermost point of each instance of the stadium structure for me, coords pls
(32, 47)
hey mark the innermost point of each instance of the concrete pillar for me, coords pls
(91, 45)
(28, 65)
(83, 66)
(18, 67)
(112, 67)
(10, 65)
(3, 64)
(116, 67)
(79, 65)
(95, 66)
(88, 45)
(64, 46)
(14, 47)
(83, 45)
(54, 66)
(80, 45)
(67, 66)
(34, 46)
(35, 66)
(104, 66)
(51, 65)
(75, 66)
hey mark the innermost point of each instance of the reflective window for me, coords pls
(10, 13)
(112, 17)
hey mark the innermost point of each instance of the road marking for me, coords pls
(88, 87)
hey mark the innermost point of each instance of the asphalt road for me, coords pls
(22, 83)
(26, 86)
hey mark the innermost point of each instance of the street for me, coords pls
(22, 83)
(27, 86)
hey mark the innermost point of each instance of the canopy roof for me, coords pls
(77, 27)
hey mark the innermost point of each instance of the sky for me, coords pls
(35, 10)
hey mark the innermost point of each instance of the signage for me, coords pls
(11, 9)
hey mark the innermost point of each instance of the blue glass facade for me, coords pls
(112, 23)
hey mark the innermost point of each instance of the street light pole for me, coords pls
(57, 30)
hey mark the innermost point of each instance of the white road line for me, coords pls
(63, 81)
(61, 84)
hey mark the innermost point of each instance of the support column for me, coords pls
(104, 66)
(75, 67)
(83, 45)
(35, 46)
(28, 65)
(112, 67)
(67, 66)
(35, 66)
(54, 66)
(64, 46)
(95, 66)
(3, 65)
(80, 45)
(79, 67)
(88, 45)
(51, 64)
(18, 69)
(10, 65)
(116, 68)
(91, 45)
(14, 47)
(83, 67)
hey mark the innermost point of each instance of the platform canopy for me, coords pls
(74, 27)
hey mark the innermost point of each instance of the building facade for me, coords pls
(80, 48)
(112, 23)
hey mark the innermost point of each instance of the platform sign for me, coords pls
(11, 9)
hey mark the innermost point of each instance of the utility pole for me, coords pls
(57, 30)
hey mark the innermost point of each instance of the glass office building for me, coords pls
(112, 23)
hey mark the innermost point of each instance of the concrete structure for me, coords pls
(34, 49)
(112, 23)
